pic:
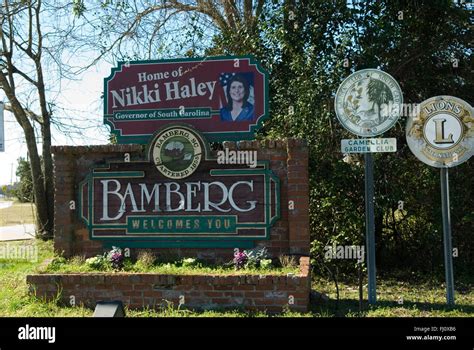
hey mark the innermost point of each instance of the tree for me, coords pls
(22, 39)
(379, 94)
(140, 29)
(34, 38)
(24, 189)
(305, 45)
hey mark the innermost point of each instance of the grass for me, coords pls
(14, 298)
(17, 214)
(396, 298)
(77, 265)
(420, 298)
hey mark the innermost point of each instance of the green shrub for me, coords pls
(98, 262)
(145, 260)
(255, 256)
(189, 262)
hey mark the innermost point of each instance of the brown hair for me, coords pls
(239, 78)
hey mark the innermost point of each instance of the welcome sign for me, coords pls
(226, 98)
(211, 206)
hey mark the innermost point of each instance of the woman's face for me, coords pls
(237, 91)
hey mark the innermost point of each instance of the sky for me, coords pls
(82, 98)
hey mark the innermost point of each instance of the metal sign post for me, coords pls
(370, 226)
(448, 249)
(359, 107)
(2, 129)
(441, 136)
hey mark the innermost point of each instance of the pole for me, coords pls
(370, 226)
(361, 290)
(448, 248)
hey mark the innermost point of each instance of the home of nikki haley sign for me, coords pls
(225, 98)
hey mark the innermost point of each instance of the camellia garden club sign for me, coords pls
(165, 201)
(225, 98)
(368, 103)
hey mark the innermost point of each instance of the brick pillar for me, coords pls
(64, 192)
(298, 192)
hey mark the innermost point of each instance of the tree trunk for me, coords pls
(48, 179)
(47, 157)
(42, 218)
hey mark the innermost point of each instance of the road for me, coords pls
(17, 232)
(4, 205)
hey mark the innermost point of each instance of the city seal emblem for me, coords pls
(177, 151)
(442, 133)
(368, 102)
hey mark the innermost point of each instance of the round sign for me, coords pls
(442, 133)
(177, 152)
(368, 102)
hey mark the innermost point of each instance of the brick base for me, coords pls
(248, 292)
(288, 159)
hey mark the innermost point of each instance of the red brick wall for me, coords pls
(260, 292)
(288, 160)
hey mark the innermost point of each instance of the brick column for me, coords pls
(298, 192)
(71, 165)
(64, 192)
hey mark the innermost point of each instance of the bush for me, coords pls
(240, 259)
(266, 263)
(255, 256)
(98, 262)
(24, 189)
(146, 259)
(57, 263)
(252, 258)
(189, 262)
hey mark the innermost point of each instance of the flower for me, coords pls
(265, 263)
(115, 257)
(96, 262)
(189, 261)
(240, 258)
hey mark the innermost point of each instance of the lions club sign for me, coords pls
(442, 133)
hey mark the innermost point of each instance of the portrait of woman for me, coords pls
(238, 108)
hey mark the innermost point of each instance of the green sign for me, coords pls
(200, 203)
(171, 225)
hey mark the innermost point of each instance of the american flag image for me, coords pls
(224, 78)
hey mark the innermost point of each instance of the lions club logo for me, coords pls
(442, 133)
